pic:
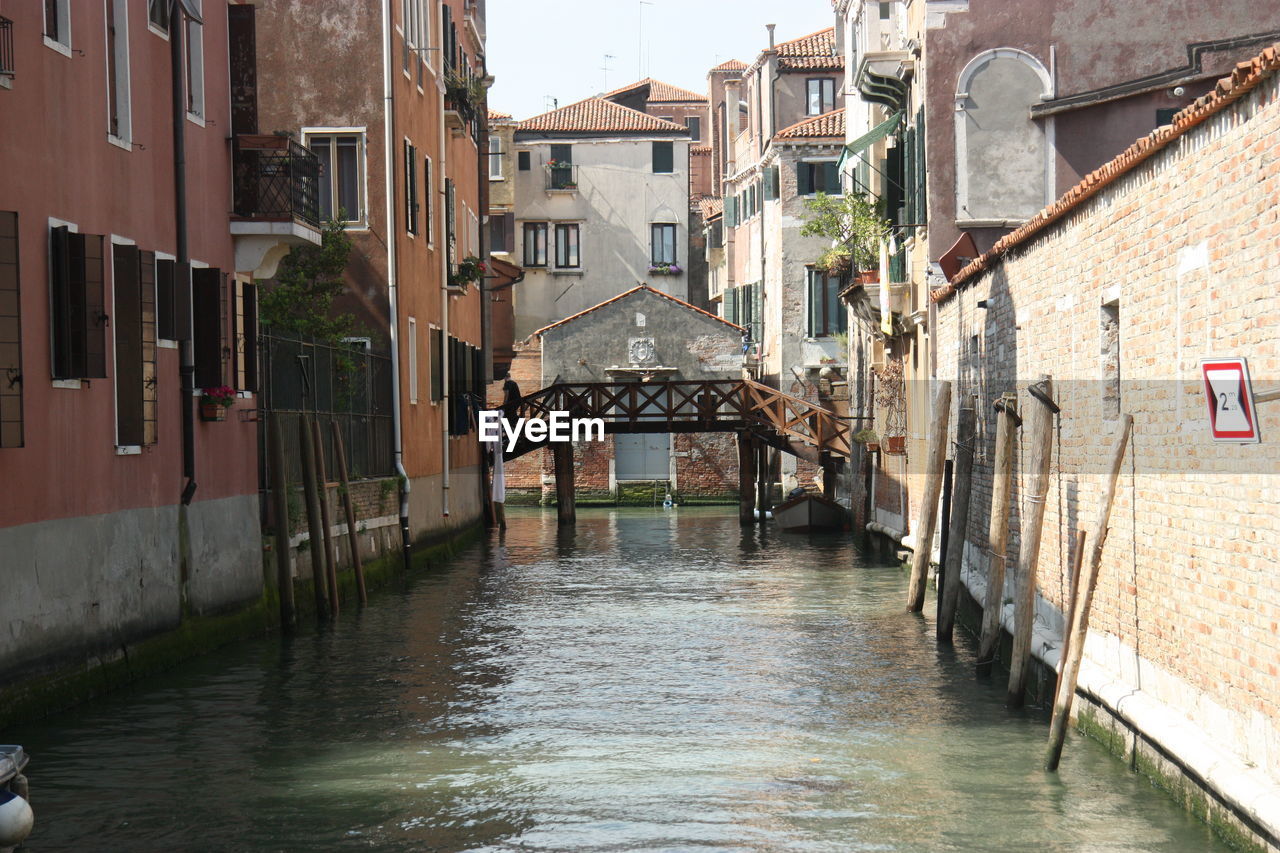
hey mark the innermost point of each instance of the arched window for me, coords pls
(1004, 159)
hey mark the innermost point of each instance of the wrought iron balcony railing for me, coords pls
(6, 47)
(276, 179)
(562, 176)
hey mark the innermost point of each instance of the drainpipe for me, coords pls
(187, 363)
(388, 128)
(445, 354)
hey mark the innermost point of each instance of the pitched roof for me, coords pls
(825, 125)
(627, 293)
(711, 207)
(658, 91)
(731, 65)
(596, 115)
(814, 52)
(1246, 76)
(494, 115)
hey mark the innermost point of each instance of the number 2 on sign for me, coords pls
(1225, 402)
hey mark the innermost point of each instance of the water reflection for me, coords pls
(651, 680)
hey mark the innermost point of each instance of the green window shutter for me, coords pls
(775, 181)
(730, 211)
(815, 303)
(830, 178)
(909, 145)
(922, 197)
(804, 179)
(835, 312)
(663, 157)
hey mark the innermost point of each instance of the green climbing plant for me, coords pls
(854, 224)
(300, 299)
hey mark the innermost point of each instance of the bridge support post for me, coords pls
(746, 479)
(830, 470)
(762, 481)
(566, 511)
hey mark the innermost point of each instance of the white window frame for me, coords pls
(194, 66)
(64, 29)
(123, 137)
(361, 223)
(151, 25)
(163, 343)
(73, 228)
(495, 159)
(411, 340)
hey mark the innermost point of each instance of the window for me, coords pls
(173, 312)
(501, 235)
(57, 24)
(663, 243)
(813, 178)
(10, 334)
(561, 155)
(412, 345)
(79, 333)
(341, 187)
(522, 161)
(410, 188)
(427, 197)
(535, 244)
(663, 158)
(567, 246)
(195, 64)
(134, 332)
(495, 158)
(1165, 116)
(822, 95)
(209, 305)
(117, 21)
(450, 225)
(437, 365)
(244, 323)
(826, 315)
(694, 123)
(158, 14)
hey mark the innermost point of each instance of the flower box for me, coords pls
(895, 445)
(213, 412)
(665, 269)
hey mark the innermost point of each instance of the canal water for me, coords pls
(652, 681)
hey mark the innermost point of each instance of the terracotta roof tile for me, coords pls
(711, 207)
(814, 52)
(1245, 77)
(731, 65)
(658, 91)
(700, 149)
(627, 293)
(596, 115)
(825, 125)
(494, 115)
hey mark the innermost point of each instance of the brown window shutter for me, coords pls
(206, 293)
(150, 427)
(11, 433)
(60, 301)
(96, 319)
(166, 322)
(250, 351)
(127, 327)
(437, 363)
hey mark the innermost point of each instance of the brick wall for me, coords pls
(1176, 261)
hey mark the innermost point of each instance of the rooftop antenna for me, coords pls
(640, 44)
(549, 103)
(605, 69)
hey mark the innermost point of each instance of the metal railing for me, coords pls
(346, 384)
(562, 177)
(275, 179)
(6, 47)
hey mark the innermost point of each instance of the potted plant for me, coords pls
(857, 230)
(868, 437)
(215, 401)
(665, 269)
(895, 445)
(471, 269)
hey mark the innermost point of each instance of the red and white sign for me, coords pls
(1232, 416)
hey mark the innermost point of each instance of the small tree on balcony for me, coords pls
(855, 226)
(300, 300)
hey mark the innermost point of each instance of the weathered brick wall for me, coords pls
(710, 467)
(1176, 261)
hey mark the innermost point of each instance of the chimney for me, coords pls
(770, 27)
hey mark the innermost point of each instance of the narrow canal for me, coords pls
(654, 681)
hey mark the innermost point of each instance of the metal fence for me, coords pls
(275, 179)
(346, 384)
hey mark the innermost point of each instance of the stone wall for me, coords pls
(1169, 263)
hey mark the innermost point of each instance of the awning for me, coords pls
(866, 140)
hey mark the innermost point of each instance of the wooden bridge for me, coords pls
(760, 416)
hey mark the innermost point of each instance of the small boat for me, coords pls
(807, 512)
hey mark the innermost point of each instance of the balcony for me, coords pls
(6, 51)
(276, 200)
(562, 177)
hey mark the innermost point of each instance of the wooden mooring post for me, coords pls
(562, 455)
(280, 509)
(927, 522)
(1040, 431)
(961, 488)
(746, 480)
(306, 451)
(326, 519)
(353, 541)
(998, 531)
(1073, 651)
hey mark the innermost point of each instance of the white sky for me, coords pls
(543, 49)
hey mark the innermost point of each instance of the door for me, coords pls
(642, 457)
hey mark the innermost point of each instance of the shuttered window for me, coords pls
(730, 212)
(437, 365)
(410, 188)
(11, 422)
(826, 315)
(208, 288)
(771, 183)
(663, 157)
(244, 332)
(78, 320)
(814, 178)
(127, 331)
